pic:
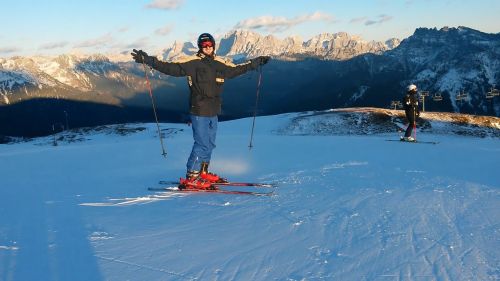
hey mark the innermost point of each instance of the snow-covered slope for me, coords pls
(348, 207)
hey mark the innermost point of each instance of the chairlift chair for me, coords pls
(461, 96)
(437, 97)
(492, 93)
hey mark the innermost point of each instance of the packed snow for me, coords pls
(349, 206)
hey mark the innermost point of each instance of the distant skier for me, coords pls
(205, 75)
(410, 104)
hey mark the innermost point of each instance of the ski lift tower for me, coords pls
(461, 97)
(396, 104)
(423, 94)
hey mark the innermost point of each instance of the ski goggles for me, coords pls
(206, 44)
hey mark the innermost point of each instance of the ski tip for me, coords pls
(172, 188)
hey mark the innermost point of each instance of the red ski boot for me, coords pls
(211, 177)
(194, 181)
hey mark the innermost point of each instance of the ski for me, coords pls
(242, 184)
(216, 191)
(422, 142)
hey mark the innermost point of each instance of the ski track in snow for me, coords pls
(9, 248)
(340, 211)
(145, 267)
(116, 202)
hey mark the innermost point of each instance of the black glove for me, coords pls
(263, 59)
(260, 61)
(142, 57)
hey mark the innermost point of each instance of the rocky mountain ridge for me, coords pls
(242, 44)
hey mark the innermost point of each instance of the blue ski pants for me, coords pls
(204, 132)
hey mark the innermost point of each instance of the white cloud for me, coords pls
(164, 30)
(356, 20)
(140, 43)
(8, 50)
(123, 29)
(165, 4)
(384, 18)
(54, 45)
(100, 41)
(380, 19)
(278, 24)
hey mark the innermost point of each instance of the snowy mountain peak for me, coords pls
(241, 44)
(178, 49)
(67, 75)
(392, 43)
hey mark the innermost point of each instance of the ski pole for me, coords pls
(256, 105)
(164, 153)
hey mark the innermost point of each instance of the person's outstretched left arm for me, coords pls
(232, 70)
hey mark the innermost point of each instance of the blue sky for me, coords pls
(113, 26)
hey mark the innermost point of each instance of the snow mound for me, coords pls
(369, 121)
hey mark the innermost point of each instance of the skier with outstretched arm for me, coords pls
(206, 74)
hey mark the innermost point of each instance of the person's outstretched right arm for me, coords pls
(172, 69)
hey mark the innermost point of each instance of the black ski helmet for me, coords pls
(205, 37)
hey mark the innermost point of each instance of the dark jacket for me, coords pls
(206, 76)
(410, 105)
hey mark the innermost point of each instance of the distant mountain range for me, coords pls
(327, 71)
(243, 44)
